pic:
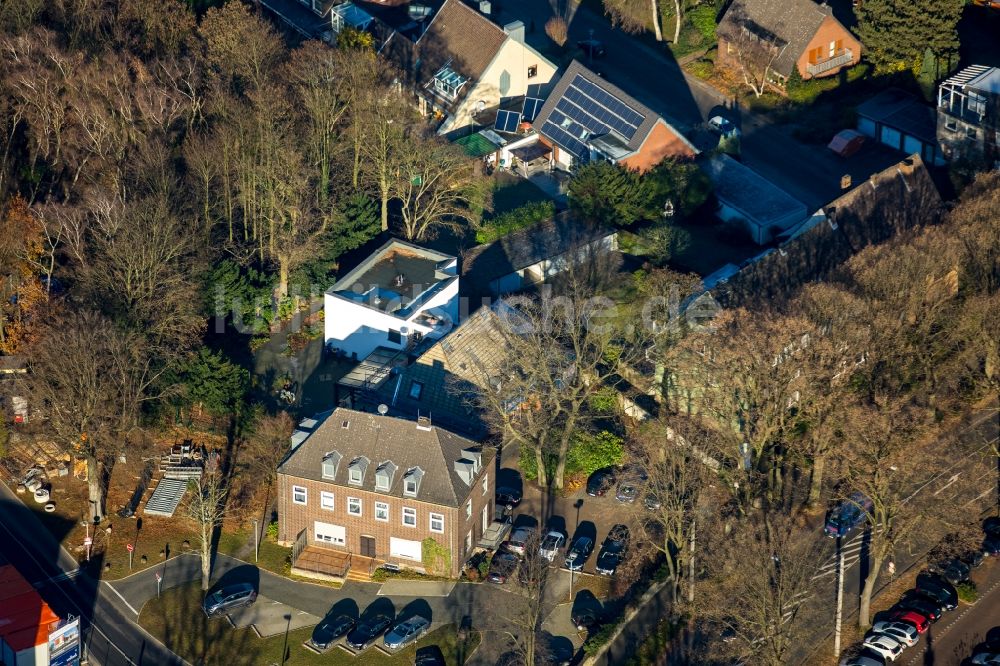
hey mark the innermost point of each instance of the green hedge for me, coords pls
(522, 217)
(702, 18)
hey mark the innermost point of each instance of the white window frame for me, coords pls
(351, 476)
(436, 517)
(327, 537)
(407, 482)
(381, 482)
(486, 484)
(409, 512)
(384, 506)
(305, 495)
(325, 495)
(354, 502)
(468, 509)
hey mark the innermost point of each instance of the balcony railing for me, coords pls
(831, 63)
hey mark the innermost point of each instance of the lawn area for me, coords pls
(271, 556)
(707, 252)
(511, 192)
(176, 619)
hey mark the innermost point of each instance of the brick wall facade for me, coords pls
(294, 517)
(830, 31)
(660, 143)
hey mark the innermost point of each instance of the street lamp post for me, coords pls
(256, 542)
(284, 648)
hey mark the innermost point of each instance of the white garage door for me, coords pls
(405, 548)
(327, 533)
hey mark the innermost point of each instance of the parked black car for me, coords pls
(600, 482)
(991, 546)
(227, 598)
(365, 633)
(330, 629)
(502, 566)
(938, 589)
(592, 48)
(508, 497)
(974, 558)
(991, 526)
(915, 601)
(429, 655)
(613, 550)
(584, 618)
(954, 571)
(578, 553)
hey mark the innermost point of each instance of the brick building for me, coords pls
(364, 489)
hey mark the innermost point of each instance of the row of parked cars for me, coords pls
(507, 560)
(625, 483)
(933, 595)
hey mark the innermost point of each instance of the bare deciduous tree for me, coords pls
(754, 49)
(207, 508)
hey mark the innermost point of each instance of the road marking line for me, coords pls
(119, 595)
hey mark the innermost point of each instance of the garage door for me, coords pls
(327, 533)
(911, 145)
(890, 137)
(405, 548)
(866, 126)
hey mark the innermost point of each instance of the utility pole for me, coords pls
(840, 597)
(256, 545)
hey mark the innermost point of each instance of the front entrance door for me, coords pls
(368, 546)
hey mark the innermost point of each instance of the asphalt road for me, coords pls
(110, 637)
(809, 172)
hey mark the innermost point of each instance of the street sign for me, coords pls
(158, 577)
(129, 547)
(88, 541)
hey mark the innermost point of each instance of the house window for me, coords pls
(437, 523)
(298, 495)
(411, 487)
(448, 82)
(382, 512)
(326, 500)
(468, 509)
(411, 482)
(354, 506)
(409, 517)
(327, 533)
(394, 336)
(951, 126)
(833, 48)
(486, 483)
(356, 476)
(971, 133)
(533, 71)
(416, 388)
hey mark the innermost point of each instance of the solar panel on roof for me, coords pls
(507, 121)
(532, 105)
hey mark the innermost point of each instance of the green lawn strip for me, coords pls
(271, 556)
(512, 192)
(176, 620)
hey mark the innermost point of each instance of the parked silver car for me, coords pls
(406, 632)
(551, 545)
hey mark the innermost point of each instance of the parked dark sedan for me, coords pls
(502, 566)
(938, 589)
(592, 48)
(991, 546)
(578, 553)
(365, 633)
(917, 602)
(613, 550)
(600, 482)
(330, 629)
(954, 571)
(584, 618)
(508, 497)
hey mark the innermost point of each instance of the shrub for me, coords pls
(272, 531)
(522, 217)
(967, 592)
(557, 30)
(600, 637)
(589, 453)
(702, 18)
(436, 558)
(703, 69)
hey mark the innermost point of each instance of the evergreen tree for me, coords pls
(896, 32)
(606, 193)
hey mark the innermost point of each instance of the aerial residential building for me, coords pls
(805, 35)
(969, 115)
(364, 489)
(398, 296)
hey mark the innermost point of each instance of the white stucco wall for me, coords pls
(358, 329)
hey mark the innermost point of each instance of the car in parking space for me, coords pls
(578, 553)
(367, 630)
(887, 646)
(551, 545)
(921, 604)
(600, 482)
(613, 550)
(406, 632)
(508, 497)
(954, 571)
(651, 501)
(846, 142)
(912, 618)
(906, 634)
(627, 492)
(238, 595)
(938, 589)
(991, 526)
(584, 618)
(330, 629)
(722, 126)
(847, 515)
(429, 655)
(520, 539)
(867, 658)
(973, 558)
(991, 546)
(592, 48)
(502, 567)
(986, 659)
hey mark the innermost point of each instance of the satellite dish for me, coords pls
(383, 409)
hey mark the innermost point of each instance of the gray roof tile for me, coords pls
(793, 22)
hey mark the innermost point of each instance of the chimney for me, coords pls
(423, 423)
(485, 7)
(516, 31)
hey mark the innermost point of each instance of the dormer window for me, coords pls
(356, 470)
(331, 461)
(448, 82)
(411, 482)
(384, 475)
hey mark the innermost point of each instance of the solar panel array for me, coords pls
(586, 110)
(532, 105)
(507, 121)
